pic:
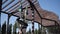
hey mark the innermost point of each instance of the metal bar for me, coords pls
(4, 12)
(8, 23)
(29, 19)
(24, 4)
(13, 12)
(32, 6)
(35, 1)
(17, 8)
(0, 4)
(18, 3)
(12, 6)
(50, 20)
(0, 15)
(33, 21)
(9, 13)
(4, 1)
(27, 3)
(0, 22)
(8, 4)
(26, 19)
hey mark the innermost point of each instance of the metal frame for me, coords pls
(38, 22)
(8, 4)
(34, 8)
(12, 6)
(0, 22)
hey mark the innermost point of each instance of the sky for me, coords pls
(50, 5)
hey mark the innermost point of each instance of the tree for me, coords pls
(36, 31)
(10, 28)
(16, 25)
(14, 28)
(39, 29)
(29, 32)
(4, 28)
(54, 30)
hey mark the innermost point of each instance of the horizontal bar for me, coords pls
(12, 6)
(26, 19)
(38, 12)
(8, 4)
(27, 3)
(15, 15)
(9, 13)
(4, 1)
(17, 8)
(50, 20)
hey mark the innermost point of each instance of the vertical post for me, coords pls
(32, 21)
(0, 14)
(31, 5)
(7, 26)
(0, 5)
(0, 22)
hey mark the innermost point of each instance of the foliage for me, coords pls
(54, 29)
(4, 28)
